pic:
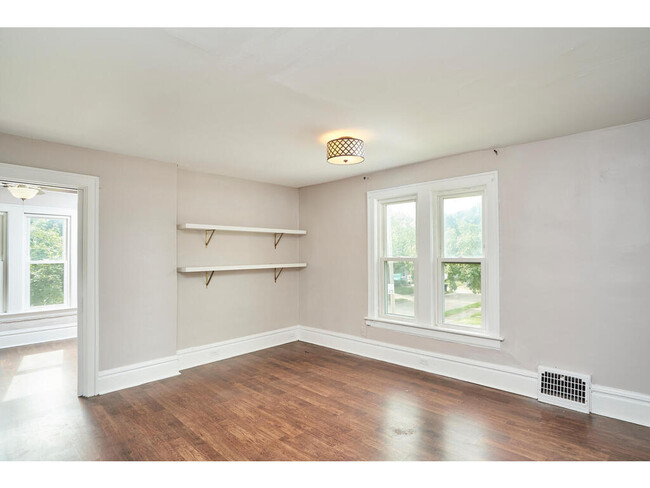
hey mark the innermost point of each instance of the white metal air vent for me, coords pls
(564, 388)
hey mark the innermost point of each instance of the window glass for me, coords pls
(462, 225)
(400, 229)
(46, 284)
(462, 294)
(46, 239)
(47, 256)
(399, 296)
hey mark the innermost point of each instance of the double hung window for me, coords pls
(433, 259)
(47, 261)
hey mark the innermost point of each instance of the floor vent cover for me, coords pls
(565, 389)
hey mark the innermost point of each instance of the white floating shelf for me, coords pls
(232, 228)
(210, 270)
(238, 267)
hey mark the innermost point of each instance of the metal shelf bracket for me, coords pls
(277, 239)
(277, 274)
(208, 238)
(208, 277)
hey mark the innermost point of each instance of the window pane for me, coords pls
(399, 295)
(46, 238)
(462, 294)
(463, 227)
(400, 229)
(46, 284)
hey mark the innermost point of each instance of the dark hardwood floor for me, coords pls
(292, 402)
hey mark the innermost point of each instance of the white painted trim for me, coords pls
(158, 369)
(17, 259)
(429, 261)
(10, 318)
(621, 404)
(232, 228)
(449, 335)
(137, 374)
(35, 335)
(610, 402)
(87, 259)
(196, 356)
(474, 179)
(514, 380)
(238, 267)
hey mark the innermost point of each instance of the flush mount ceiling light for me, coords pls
(24, 192)
(345, 150)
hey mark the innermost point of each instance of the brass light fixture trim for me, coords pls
(345, 150)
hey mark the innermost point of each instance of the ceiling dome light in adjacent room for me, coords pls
(24, 192)
(345, 150)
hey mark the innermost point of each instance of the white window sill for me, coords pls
(37, 315)
(443, 334)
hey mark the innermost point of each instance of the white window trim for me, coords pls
(382, 259)
(427, 297)
(16, 264)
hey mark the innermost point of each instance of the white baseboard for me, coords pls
(35, 335)
(136, 374)
(610, 402)
(196, 356)
(621, 404)
(520, 381)
(158, 369)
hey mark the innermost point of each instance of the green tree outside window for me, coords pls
(47, 261)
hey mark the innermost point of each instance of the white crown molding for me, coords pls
(36, 335)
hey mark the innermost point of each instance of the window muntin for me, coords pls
(398, 257)
(455, 265)
(47, 261)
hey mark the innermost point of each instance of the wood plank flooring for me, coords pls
(293, 402)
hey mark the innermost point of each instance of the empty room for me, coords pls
(324, 244)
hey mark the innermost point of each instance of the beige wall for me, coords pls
(142, 313)
(574, 250)
(238, 303)
(137, 245)
(574, 237)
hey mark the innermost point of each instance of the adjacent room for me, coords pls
(324, 244)
(38, 272)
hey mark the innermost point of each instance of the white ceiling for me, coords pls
(260, 103)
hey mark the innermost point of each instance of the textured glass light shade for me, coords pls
(23, 192)
(345, 150)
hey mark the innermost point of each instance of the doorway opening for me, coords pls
(48, 281)
(38, 290)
